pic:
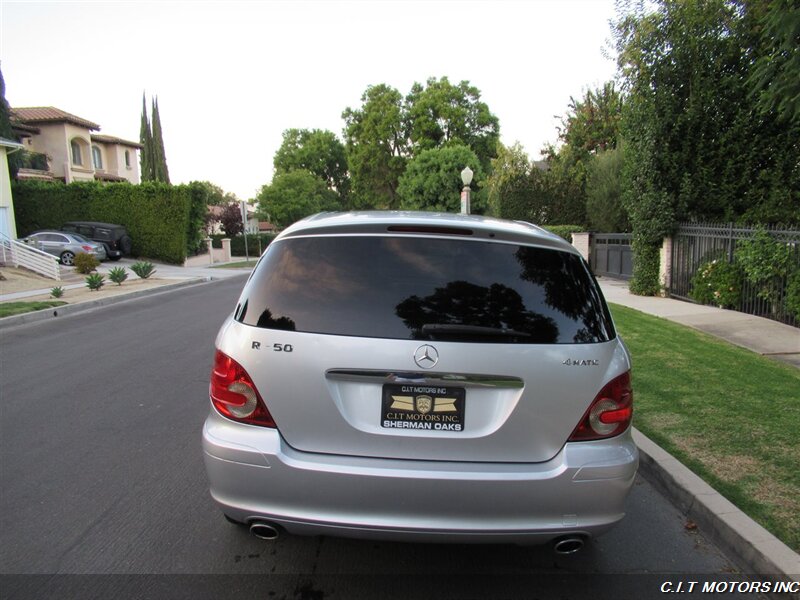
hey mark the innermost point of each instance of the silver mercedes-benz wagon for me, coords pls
(421, 376)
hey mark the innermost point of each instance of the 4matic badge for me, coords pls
(577, 362)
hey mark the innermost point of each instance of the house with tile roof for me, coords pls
(61, 146)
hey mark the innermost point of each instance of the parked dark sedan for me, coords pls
(115, 238)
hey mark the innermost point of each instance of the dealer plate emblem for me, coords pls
(424, 404)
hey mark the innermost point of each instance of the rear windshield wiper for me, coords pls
(477, 330)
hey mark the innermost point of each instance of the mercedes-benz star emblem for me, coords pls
(426, 356)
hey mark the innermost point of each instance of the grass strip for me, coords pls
(17, 308)
(730, 415)
(244, 264)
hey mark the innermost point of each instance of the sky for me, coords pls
(231, 76)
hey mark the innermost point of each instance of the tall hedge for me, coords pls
(156, 215)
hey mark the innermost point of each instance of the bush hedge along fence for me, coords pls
(237, 243)
(160, 218)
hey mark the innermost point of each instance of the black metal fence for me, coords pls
(695, 244)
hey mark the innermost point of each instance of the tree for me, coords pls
(511, 163)
(5, 111)
(542, 197)
(5, 128)
(215, 195)
(775, 78)
(160, 170)
(317, 151)
(697, 144)
(152, 158)
(432, 180)
(604, 209)
(294, 195)
(441, 114)
(377, 147)
(590, 125)
(146, 140)
(231, 220)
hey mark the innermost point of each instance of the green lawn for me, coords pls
(730, 415)
(244, 264)
(17, 308)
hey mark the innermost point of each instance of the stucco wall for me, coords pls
(130, 173)
(85, 171)
(52, 141)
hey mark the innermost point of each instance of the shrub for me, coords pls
(118, 275)
(718, 283)
(143, 269)
(565, 231)
(793, 295)
(95, 281)
(765, 262)
(57, 292)
(85, 263)
(253, 241)
(646, 263)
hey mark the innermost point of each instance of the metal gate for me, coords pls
(612, 255)
(695, 244)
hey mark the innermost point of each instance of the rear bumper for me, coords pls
(255, 475)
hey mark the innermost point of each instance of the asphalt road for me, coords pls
(103, 492)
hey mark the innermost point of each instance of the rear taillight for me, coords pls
(609, 414)
(87, 248)
(234, 394)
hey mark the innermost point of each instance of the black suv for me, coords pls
(114, 237)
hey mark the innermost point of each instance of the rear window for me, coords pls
(425, 289)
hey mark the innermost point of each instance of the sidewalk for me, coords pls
(763, 336)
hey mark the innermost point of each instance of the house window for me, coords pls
(128, 158)
(76, 153)
(97, 158)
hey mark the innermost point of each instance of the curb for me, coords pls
(752, 546)
(70, 309)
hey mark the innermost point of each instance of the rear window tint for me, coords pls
(425, 289)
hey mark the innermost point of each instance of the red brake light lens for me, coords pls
(87, 248)
(234, 395)
(610, 412)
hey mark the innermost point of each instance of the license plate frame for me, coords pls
(427, 408)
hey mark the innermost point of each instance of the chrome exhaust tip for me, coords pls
(264, 531)
(568, 545)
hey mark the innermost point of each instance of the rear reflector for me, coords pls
(610, 412)
(234, 395)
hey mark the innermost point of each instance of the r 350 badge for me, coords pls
(275, 347)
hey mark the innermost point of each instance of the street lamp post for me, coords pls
(466, 178)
